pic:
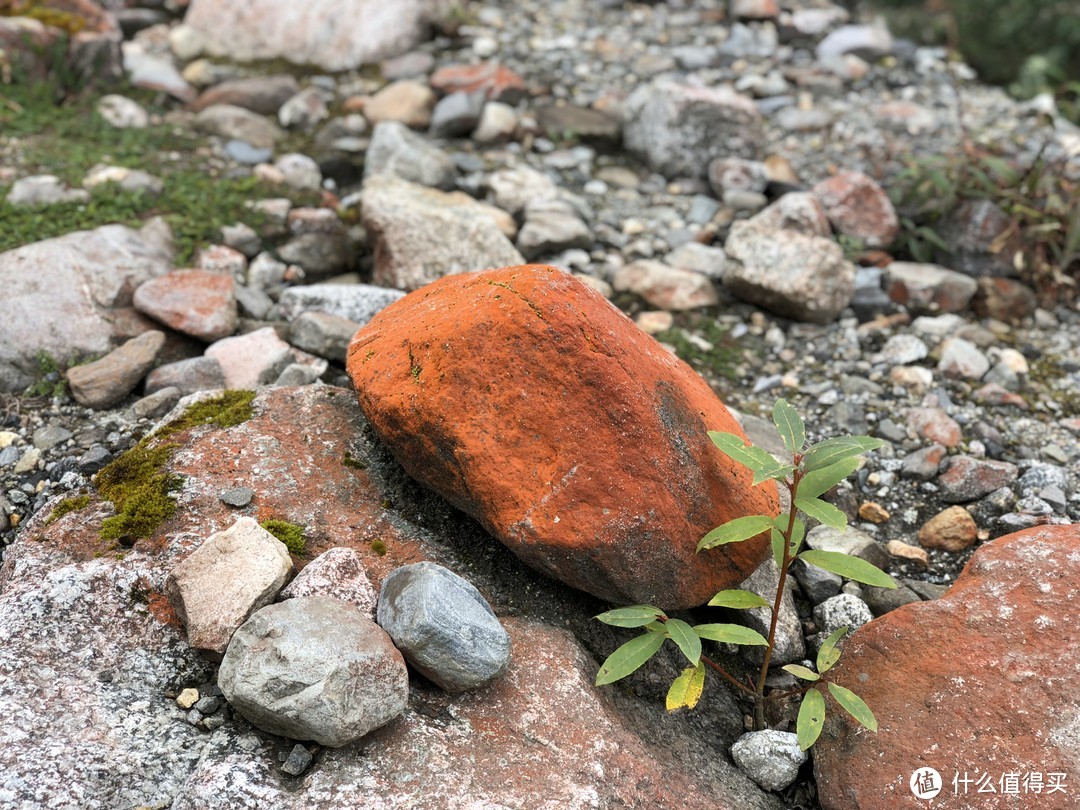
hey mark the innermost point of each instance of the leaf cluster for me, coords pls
(810, 472)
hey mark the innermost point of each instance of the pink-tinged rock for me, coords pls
(199, 303)
(664, 286)
(541, 736)
(338, 572)
(928, 287)
(527, 449)
(858, 207)
(962, 358)
(935, 425)
(71, 296)
(260, 94)
(968, 479)
(981, 683)
(226, 579)
(407, 102)
(107, 381)
(792, 274)
(798, 211)
(222, 259)
(333, 34)
(498, 82)
(994, 394)
(251, 360)
(755, 9)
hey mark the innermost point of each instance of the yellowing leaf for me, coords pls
(800, 671)
(739, 599)
(829, 653)
(685, 691)
(853, 705)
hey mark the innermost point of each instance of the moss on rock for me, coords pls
(288, 533)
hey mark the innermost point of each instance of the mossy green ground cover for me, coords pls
(45, 131)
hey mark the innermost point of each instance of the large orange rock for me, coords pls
(980, 685)
(532, 404)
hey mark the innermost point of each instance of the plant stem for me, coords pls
(723, 672)
(759, 706)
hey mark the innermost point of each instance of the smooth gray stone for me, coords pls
(443, 626)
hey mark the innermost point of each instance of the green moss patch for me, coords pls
(355, 463)
(138, 484)
(67, 506)
(288, 533)
(379, 547)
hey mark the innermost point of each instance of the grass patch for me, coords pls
(718, 358)
(225, 410)
(288, 533)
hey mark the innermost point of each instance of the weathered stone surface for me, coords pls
(790, 647)
(251, 360)
(443, 626)
(187, 376)
(976, 667)
(859, 208)
(1004, 299)
(551, 226)
(312, 33)
(771, 758)
(973, 234)
(498, 82)
(953, 529)
(68, 296)
(664, 286)
(395, 149)
(43, 190)
(339, 573)
(405, 102)
(314, 668)
(792, 274)
(928, 287)
(488, 757)
(228, 121)
(322, 334)
(848, 541)
(421, 234)
(260, 94)
(679, 129)
(457, 114)
(935, 425)
(199, 303)
(107, 381)
(842, 610)
(968, 479)
(548, 486)
(356, 302)
(798, 211)
(231, 575)
(962, 358)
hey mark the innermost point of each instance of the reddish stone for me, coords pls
(994, 394)
(928, 287)
(497, 81)
(968, 479)
(981, 681)
(859, 208)
(934, 424)
(200, 303)
(1005, 299)
(532, 404)
(953, 529)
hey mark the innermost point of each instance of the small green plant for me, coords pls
(67, 506)
(810, 473)
(288, 533)
(49, 380)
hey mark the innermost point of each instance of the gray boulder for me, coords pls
(356, 302)
(397, 150)
(679, 130)
(314, 668)
(842, 610)
(789, 273)
(771, 758)
(443, 626)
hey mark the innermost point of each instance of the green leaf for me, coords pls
(738, 598)
(853, 705)
(848, 567)
(798, 531)
(735, 531)
(777, 540)
(633, 616)
(791, 427)
(813, 484)
(738, 450)
(798, 671)
(629, 657)
(811, 719)
(684, 636)
(776, 472)
(686, 690)
(731, 634)
(822, 511)
(829, 653)
(829, 452)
